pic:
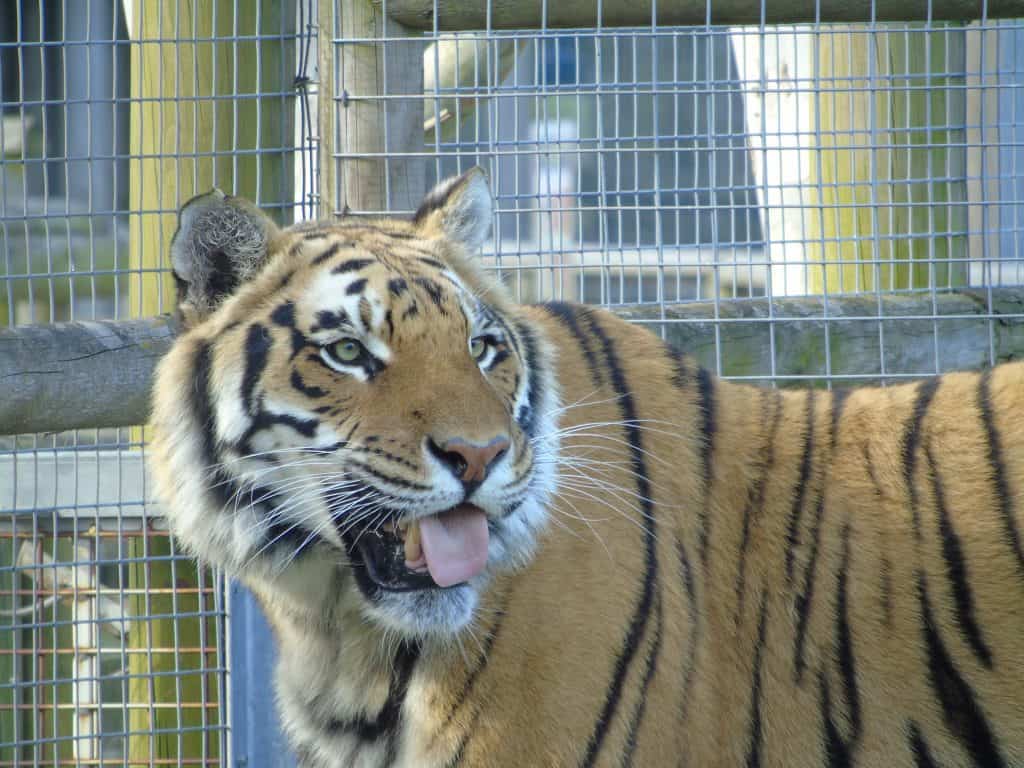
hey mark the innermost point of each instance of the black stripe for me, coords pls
(262, 420)
(680, 368)
(837, 754)
(995, 460)
(432, 289)
(377, 230)
(494, 317)
(365, 313)
(793, 532)
(474, 675)
(299, 343)
(956, 568)
(804, 600)
(650, 669)
(756, 738)
(322, 257)
(919, 748)
(755, 498)
(534, 393)
(221, 486)
(351, 265)
(693, 616)
(960, 709)
(844, 642)
(326, 319)
(370, 730)
(911, 438)
(257, 350)
(432, 262)
(309, 391)
(885, 571)
(389, 478)
(356, 286)
(885, 577)
(706, 406)
(285, 280)
(284, 315)
(839, 397)
(467, 688)
(568, 315)
(280, 535)
(377, 451)
(417, 249)
(499, 357)
(643, 609)
(397, 286)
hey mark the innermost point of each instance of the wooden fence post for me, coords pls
(368, 138)
(198, 119)
(883, 222)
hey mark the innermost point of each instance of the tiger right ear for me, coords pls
(459, 208)
(221, 241)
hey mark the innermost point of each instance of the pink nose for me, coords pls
(469, 462)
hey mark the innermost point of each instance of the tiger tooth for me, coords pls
(413, 549)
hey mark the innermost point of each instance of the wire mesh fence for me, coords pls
(806, 203)
(112, 642)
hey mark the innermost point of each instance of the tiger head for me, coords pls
(355, 416)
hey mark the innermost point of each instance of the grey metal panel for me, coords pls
(256, 738)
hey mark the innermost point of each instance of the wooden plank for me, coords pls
(453, 15)
(79, 375)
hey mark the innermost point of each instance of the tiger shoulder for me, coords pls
(491, 534)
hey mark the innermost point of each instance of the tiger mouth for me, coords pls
(435, 552)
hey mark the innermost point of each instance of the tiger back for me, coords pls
(491, 534)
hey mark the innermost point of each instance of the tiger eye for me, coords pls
(477, 347)
(347, 350)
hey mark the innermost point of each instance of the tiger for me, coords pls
(486, 533)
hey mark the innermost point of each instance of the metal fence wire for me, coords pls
(813, 203)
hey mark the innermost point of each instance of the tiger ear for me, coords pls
(459, 208)
(220, 242)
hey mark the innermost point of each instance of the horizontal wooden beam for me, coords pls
(454, 15)
(82, 375)
(79, 375)
(848, 340)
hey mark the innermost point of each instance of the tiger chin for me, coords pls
(490, 534)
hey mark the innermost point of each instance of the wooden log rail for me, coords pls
(98, 374)
(454, 15)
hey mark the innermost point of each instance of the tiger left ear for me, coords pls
(220, 242)
(459, 208)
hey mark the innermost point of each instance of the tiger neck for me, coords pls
(372, 693)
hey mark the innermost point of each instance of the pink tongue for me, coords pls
(455, 544)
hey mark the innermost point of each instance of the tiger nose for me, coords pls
(469, 462)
